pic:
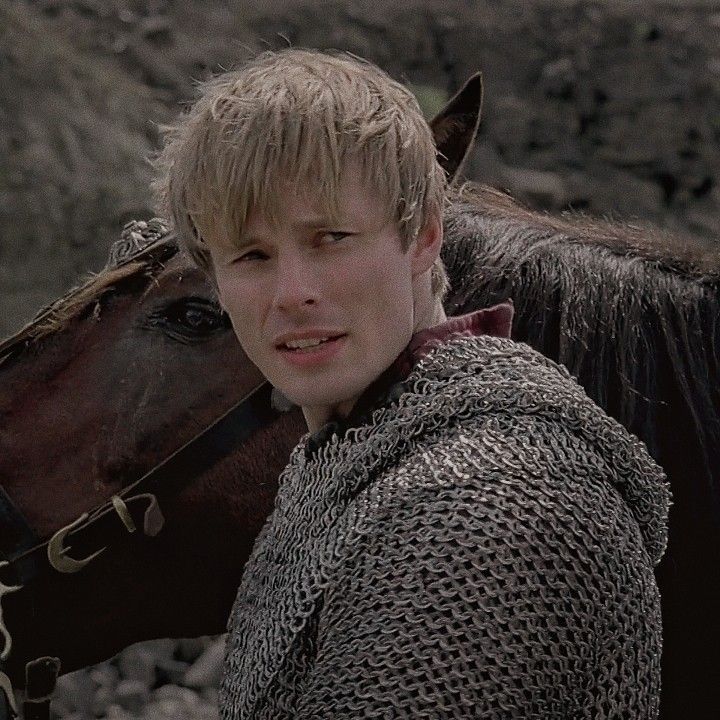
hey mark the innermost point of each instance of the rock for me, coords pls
(537, 186)
(171, 671)
(205, 712)
(175, 693)
(190, 649)
(75, 691)
(115, 712)
(210, 694)
(641, 198)
(161, 649)
(104, 698)
(558, 78)
(207, 669)
(158, 29)
(165, 709)
(132, 695)
(138, 663)
(105, 675)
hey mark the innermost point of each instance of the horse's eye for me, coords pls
(189, 319)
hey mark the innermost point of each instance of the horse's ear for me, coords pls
(455, 126)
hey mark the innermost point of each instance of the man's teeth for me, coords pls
(293, 344)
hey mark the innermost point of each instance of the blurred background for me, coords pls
(610, 107)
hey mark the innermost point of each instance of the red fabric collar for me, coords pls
(495, 321)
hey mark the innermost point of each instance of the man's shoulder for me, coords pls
(468, 377)
(486, 357)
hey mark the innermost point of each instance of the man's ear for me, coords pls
(455, 126)
(426, 247)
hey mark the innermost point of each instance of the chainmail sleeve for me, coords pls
(489, 589)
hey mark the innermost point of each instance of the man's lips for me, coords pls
(314, 355)
(312, 334)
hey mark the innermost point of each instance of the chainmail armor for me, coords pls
(482, 547)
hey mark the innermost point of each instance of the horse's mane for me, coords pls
(685, 254)
(628, 299)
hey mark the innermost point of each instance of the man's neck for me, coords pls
(317, 416)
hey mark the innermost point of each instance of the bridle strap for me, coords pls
(17, 537)
(103, 525)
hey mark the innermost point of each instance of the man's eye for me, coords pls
(251, 255)
(336, 236)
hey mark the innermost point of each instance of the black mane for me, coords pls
(622, 307)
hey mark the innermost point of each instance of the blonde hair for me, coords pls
(296, 115)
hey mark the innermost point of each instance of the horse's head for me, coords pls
(97, 391)
(109, 382)
(136, 360)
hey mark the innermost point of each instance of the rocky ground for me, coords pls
(606, 107)
(157, 680)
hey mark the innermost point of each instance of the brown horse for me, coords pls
(101, 388)
(634, 318)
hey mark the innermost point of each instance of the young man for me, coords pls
(461, 533)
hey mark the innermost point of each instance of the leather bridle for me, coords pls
(137, 505)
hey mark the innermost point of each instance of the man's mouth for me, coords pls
(307, 345)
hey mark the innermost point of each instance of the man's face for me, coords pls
(307, 276)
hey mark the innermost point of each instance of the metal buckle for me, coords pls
(4, 632)
(57, 553)
(6, 689)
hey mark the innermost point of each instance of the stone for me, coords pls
(539, 187)
(190, 649)
(207, 669)
(75, 691)
(175, 693)
(105, 675)
(132, 695)
(138, 662)
(103, 699)
(171, 671)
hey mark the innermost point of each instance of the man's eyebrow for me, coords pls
(317, 221)
(314, 221)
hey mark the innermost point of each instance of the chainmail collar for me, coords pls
(389, 386)
(446, 385)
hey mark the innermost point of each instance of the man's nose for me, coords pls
(296, 284)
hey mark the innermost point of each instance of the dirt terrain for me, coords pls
(605, 107)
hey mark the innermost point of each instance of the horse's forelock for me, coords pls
(143, 247)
